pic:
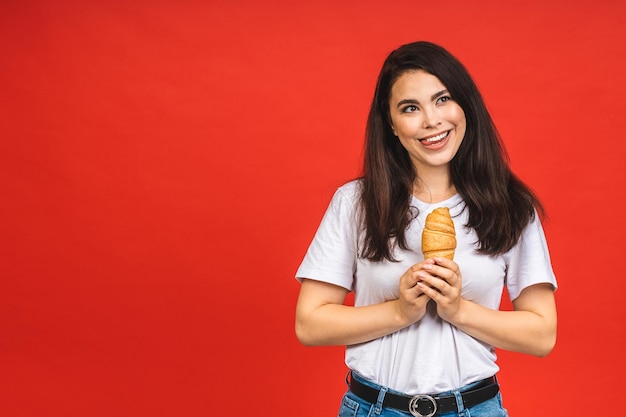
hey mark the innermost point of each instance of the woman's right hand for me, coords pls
(412, 301)
(323, 319)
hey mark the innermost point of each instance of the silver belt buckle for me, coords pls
(414, 405)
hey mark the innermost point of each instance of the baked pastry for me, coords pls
(439, 236)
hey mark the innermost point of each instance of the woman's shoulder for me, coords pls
(350, 188)
(347, 194)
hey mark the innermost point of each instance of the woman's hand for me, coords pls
(323, 319)
(441, 281)
(412, 301)
(530, 328)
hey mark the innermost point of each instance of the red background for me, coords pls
(165, 164)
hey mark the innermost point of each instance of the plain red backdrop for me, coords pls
(165, 164)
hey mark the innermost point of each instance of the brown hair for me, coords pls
(500, 205)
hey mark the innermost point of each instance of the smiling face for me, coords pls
(427, 121)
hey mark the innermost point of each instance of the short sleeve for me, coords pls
(331, 256)
(529, 261)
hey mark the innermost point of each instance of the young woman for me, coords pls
(422, 334)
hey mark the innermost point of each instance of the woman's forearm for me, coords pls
(336, 324)
(323, 319)
(530, 329)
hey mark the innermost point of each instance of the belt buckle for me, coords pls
(415, 402)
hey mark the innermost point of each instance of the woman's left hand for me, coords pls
(441, 281)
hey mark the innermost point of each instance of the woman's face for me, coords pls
(428, 123)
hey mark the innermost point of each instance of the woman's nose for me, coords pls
(431, 119)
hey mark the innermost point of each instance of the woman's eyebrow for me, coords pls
(413, 101)
(438, 94)
(407, 101)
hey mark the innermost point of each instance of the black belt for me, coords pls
(428, 405)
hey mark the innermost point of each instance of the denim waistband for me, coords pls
(423, 404)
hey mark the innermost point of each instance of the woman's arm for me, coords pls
(530, 328)
(323, 319)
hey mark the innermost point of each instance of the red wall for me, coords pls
(164, 165)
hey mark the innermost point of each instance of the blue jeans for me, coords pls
(353, 406)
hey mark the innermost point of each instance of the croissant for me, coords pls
(438, 236)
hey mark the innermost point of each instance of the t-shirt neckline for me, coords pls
(448, 202)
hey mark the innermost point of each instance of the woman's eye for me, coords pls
(409, 109)
(443, 99)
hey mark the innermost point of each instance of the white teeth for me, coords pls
(438, 137)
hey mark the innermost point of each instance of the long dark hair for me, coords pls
(500, 205)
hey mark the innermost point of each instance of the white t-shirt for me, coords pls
(431, 355)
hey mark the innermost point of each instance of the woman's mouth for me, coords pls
(435, 140)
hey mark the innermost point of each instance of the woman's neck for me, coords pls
(433, 189)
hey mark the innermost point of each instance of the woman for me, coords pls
(422, 334)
